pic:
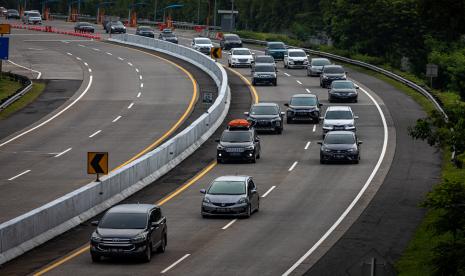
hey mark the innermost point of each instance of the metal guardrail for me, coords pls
(392, 75)
(27, 86)
(52, 219)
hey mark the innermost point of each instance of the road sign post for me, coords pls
(216, 53)
(4, 44)
(97, 163)
(431, 72)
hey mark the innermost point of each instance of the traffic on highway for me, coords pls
(304, 145)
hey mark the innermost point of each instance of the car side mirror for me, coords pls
(355, 117)
(94, 223)
(319, 143)
(229, 53)
(203, 191)
(357, 87)
(359, 142)
(283, 113)
(155, 224)
(246, 113)
(322, 118)
(286, 104)
(217, 140)
(320, 104)
(257, 139)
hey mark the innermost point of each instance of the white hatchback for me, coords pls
(240, 57)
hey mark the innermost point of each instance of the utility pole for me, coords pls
(232, 15)
(198, 12)
(155, 13)
(214, 14)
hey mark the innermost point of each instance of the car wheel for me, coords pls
(322, 161)
(258, 205)
(279, 131)
(254, 159)
(258, 155)
(289, 120)
(229, 64)
(356, 100)
(249, 211)
(254, 83)
(219, 161)
(275, 82)
(162, 247)
(95, 257)
(148, 253)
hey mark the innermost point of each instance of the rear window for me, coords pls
(338, 115)
(236, 136)
(336, 138)
(227, 188)
(334, 70)
(124, 221)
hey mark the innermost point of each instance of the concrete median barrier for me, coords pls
(42, 224)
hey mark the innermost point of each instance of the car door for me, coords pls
(253, 194)
(155, 217)
(256, 140)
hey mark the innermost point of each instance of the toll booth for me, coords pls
(228, 20)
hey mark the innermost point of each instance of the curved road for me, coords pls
(121, 107)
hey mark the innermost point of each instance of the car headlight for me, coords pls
(234, 59)
(95, 237)
(325, 126)
(326, 150)
(206, 200)
(305, 61)
(242, 200)
(351, 150)
(140, 238)
(220, 147)
(250, 148)
(325, 77)
(349, 127)
(291, 62)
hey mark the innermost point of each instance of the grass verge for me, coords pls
(8, 87)
(35, 92)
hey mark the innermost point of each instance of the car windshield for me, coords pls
(227, 188)
(85, 24)
(264, 59)
(169, 35)
(145, 29)
(276, 46)
(338, 115)
(232, 38)
(336, 138)
(33, 14)
(265, 68)
(297, 54)
(343, 85)
(236, 136)
(124, 221)
(320, 62)
(264, 110)
(241, 53)
(334, 70)
(203, 41)
(303, 101)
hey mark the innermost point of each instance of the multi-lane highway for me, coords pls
(302, 201)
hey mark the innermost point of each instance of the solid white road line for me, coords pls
(308, 90)
(137, 70)
(35, 71)
(23, 173)
(314, 128)
(120, 58)
(116, 119)
(307, 145)
(90, 70)
(130, 64)
(130, 106)
(142, 85)
(54, 116)
(356, 199)
(78, 58)
(63, 152)
(287, 74)
(229, 224)
(110, 54)
(299, 82)
(95, 133)
(293, 166)
(95, 49)
(139, 94)
(174, 264)
(69, 54)
(269, 191)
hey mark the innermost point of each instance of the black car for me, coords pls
(84, 27)
(340, 146)
(114, 27)
(343, 91)
(129, 230)
(264, 74)
(238, 143)
(230, 195)
(331, 73)
(266, 117)
(230, 41)
(145, 31)
(12, 14)
(303, 107)
(170, 37)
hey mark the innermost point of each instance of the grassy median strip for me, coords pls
(37, 89)
(8, 87)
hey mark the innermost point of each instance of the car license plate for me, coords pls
(340, 156)
(235, 153)
(222, 210)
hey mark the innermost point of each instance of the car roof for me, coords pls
(144, 27)
(230, 35)
(261, 56)
(336, 81)
(341, 132)
(239, 129)
(304, 96)
(265, 104)
(196, 38)
(320, 59)
(240, 49)
(275, 42)
(339, 107)
(232, 178)
(132, 208)
(296, 50)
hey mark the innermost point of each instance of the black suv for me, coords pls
(303, 107)
(331, 73)
(340, 146)
(238, 143)
(230, 41)
(129, 230)
(266, 117)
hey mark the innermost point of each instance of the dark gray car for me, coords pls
(331, 73)
(230, 195)
(303, 107)
(129, 230)
(264, 73)
(343, 91)
(316, 66)
(340, 146)
(239, 145)
(266, 117)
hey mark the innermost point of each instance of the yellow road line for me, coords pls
(246, 80)
(86, 247)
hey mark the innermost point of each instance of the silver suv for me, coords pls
(339, 118)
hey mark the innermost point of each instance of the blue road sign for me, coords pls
(4, 41)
